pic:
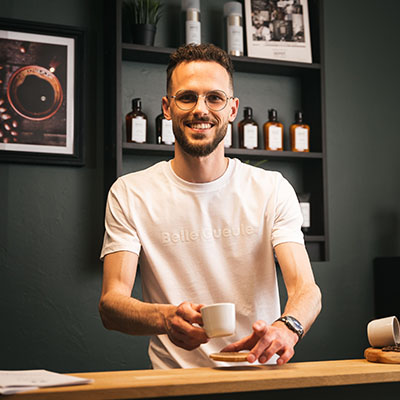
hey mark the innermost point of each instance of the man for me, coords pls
(206, 229)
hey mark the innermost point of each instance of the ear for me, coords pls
(234, 108)
(166, 108)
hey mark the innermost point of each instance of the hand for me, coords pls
(180, 329)
(265, 341)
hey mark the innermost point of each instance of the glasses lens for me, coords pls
(186, 100)
(216, 100)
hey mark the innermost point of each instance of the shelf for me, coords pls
(314, 238)
(279, 155)
(273, 67)
(160, 55)
(159, 149)
(146, 54)
(304, 88)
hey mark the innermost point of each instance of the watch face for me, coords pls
(295, 324)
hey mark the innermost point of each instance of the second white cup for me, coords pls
(219, 319)
(383, 332)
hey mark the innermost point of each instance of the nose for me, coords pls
(201, 106)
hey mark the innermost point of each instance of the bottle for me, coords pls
(228, 136)
(248, 130)
(136, 123)
(300, 134)
(165, 134)
(304, 200)
(234, 28)
(191, 10)
(273, 132)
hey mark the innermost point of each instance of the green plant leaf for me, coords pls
(142, 11)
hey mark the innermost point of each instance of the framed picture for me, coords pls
(278, 30)
(41, 93)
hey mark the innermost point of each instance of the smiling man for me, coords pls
(211, 239)
(200, 126)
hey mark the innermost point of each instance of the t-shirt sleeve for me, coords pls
(120, 232)
(288, 217)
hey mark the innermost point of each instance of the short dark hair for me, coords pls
(199, 52)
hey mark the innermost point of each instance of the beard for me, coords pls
(198, 150)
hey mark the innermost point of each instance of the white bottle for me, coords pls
(234, 28)
(305, 206)
(228, 136)
(192, 23)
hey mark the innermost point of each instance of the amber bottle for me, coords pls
(136, 123)
(248, 130)
(273, 132)
(299, 134)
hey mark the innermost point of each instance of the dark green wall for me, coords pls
(51, 216)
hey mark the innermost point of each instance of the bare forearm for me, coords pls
(119, 311)
(304, 304)
(304, 296)
(129, 315)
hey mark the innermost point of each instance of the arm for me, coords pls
(119, 311)
(304, 296)
(304, 303)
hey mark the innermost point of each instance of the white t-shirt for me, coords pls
(204, 243)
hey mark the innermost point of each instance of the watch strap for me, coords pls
(293, 324)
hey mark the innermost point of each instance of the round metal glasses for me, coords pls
(186, 100)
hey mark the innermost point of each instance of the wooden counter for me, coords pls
(143, 384)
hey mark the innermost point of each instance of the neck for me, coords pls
(199, 169)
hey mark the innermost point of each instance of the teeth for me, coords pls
(201, 126)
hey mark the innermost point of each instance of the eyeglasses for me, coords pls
(186, 100)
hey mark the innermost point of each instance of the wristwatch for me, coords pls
(293, 324)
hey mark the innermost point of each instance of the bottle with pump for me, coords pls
(165, 134)
(192, 23)
(136, 123)
(300, 134)
(248, 130)
(234, 28)
(273, 132)
(228, 140)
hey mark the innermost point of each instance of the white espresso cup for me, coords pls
(219, 319)
(383, 332)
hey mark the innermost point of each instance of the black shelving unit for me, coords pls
(310, 166)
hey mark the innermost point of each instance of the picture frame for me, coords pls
(278, 30)
(42, 68)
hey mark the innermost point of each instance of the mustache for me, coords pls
(201, 119)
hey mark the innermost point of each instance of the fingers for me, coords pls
(244, 344)
(285, 356)
(180, 328)
(247, 343)
(271, 340)
(264, 350)
(190, 312)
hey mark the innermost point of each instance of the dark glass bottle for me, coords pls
(165, 134)
(136, 123)
(248, 130)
